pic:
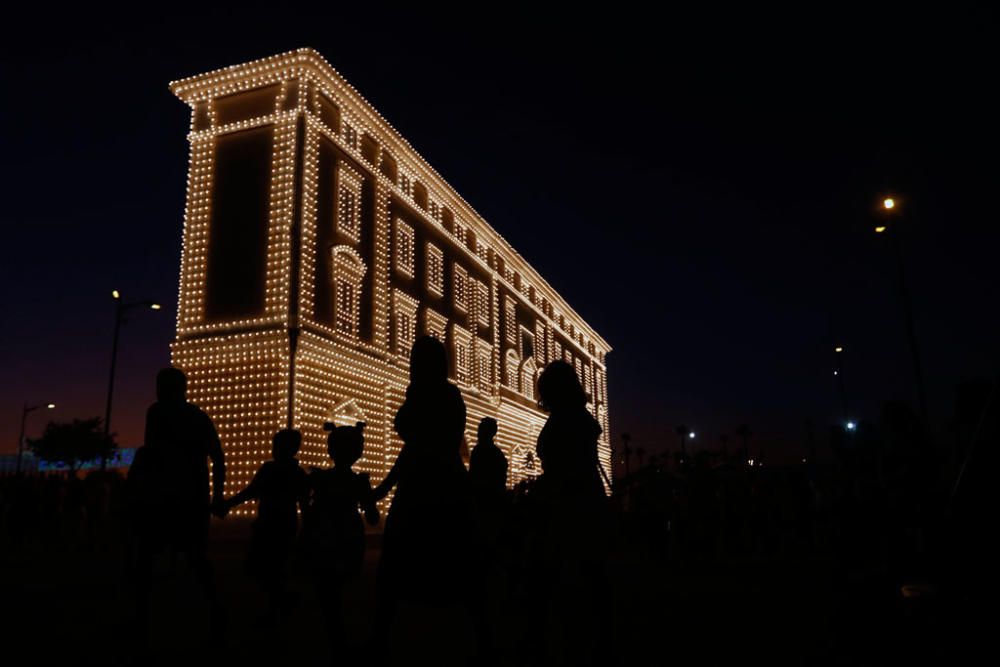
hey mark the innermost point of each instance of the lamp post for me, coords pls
(24, 419)
(120, 309)
(838, 371)
(891, 211)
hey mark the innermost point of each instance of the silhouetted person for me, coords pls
(333, 533)
(279, 487)
(571, 526)
(428, 531)
(169, 495)
(488, 465)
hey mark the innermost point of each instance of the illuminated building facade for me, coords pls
(317, 246)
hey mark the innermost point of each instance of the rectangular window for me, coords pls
(484, 367)
(349, 203)
(435, 270)
(404, 309)
(350, 136)
(527, 344)
(346, 308)
(404, 248)
(482, 304)
(510, 320)
(462, 351)
(435, 324)
(460, 288)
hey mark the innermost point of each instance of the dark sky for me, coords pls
(700, 187)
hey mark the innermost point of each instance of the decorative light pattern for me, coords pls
(460, 287)
(435, 270)
(332, 153)
(349, 203)
(403, 250)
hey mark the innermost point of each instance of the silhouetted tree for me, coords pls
(73, 443)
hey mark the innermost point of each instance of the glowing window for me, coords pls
(404, 248)
(404, 310)
(349, 204)
(510, 320)
(435, 270)
(460, 288)
(348, 273)
(482, 304)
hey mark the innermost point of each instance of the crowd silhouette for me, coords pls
(533, 570)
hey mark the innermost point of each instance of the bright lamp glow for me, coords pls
(888, 203)
(880, 229)
(838, 349)
(851, 426)
(691, 435)
(50, 406)
(115, 294)
(155, 306)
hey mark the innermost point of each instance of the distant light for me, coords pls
(851, 426)
(803, 460)
(50, 406)
(838, 349)
(836, 372)
(888, 203)
(691, 435)
(750, 462)
(155, 306)
(880, 229)
(115, 294)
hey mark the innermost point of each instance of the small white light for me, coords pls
(691, 435)
(851, 426)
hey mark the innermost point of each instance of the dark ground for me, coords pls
(66, 607)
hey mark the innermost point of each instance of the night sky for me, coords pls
(702, 189)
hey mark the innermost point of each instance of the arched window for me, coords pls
(528, 372)
(348, 274)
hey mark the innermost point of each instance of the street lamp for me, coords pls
(838, 371)
(120, 309)
(24, 419)
(851, 426)
(891, 211)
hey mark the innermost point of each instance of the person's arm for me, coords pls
(368, 499)
(250, 493)
(391, 478)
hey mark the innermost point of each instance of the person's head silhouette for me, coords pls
(487, 430)
(171, 385)
(559, 388)
(428, 361)
(345, 443)
(285, 444)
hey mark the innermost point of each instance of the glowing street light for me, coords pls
(691, 435)
(120, 309)
(851, 426)
(838, 349)
(888, 203)
(879, 229)
(24, 419)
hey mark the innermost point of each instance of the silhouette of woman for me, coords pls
(570, 525)
(427, 531)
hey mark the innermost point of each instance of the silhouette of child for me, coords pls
(334, 534)
(488, 465)
(278, 486)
